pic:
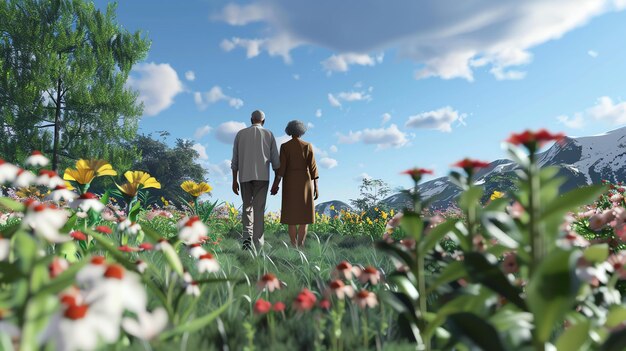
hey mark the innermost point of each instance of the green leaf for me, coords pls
(11, 204)
(517, 154)
(477, 330)
(435, 235)
(400, 252)
(26, 251)
(151, 232)
(485, 270)
(405, 285)
(552, 291)
(471, 197)
(413, 225)
(69, 225)
(596, 253)
(62, 281)
(9, 273)
(109, 247)
(574, 338)
(573, 199)
(9, 231)
(615, 342)
(455, 270)
(616, 316)
(501, 227)
(195, 324)
(105, 197)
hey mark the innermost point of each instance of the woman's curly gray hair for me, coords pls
(295, 128)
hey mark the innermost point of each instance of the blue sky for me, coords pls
(385, 86)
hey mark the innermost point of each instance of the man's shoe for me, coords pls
(247, 245)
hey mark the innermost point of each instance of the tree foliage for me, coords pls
(63, 69)
(372, 191)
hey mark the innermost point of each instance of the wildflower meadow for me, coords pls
(528, 270)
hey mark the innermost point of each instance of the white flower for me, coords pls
(8, 172)
(147, 325)
(196, 250)
(5, 246)
(36, 159)
(141, 266)
(192, 289)
(120, 290)
(128, 227)
(49, 179)
(345, 270)
(207, 263)
(86, 202)
(61, 193)
(45, 221)
(24, 179)
(82, 327)
(91, 274)
(192, 230)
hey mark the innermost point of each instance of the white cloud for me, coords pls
(333, 100)
(362, 176)
(319, 152)
(440, 119)
(221, 170)
(201, 131)
(328, 163)
(318, 112)
(576, 122)
(592, 53)
(157, 84)
(342, 62)
(310, 125)
(201, 149)
(333, 149)
(383, 138)
(385, 118)
(190, 76)
(605, 110)
(275, 46)
(296, 76)
(203, 100)
(226, 131)
(441, 36)
(354, 96)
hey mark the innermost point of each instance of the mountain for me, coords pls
(324, 207)
(582, 160)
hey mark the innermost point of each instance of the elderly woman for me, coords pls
(297, 170)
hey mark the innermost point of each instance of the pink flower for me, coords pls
(509, 264)
(268, 281)
(262, 307)
(366, 299)
(338, 288)
(345, 270)
(572, 239)
(370, 274)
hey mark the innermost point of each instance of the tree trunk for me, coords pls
(57, 129)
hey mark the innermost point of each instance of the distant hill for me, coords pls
(324, 207)
(582, 160)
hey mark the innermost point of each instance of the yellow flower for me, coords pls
(391, 213)
(87, 170)
(332, 207)
(137, 180)
(165, 202)
(496, 195)
(383, 215)
(196, 189)
(376, 209)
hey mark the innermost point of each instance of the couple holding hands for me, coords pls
(254, 149)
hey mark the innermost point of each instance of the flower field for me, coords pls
(532, 270)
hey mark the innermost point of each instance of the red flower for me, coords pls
(262, 307)
(417, 173)
(533, 140)
(467, 163)
(304, 301)
(103, 229)
(278, 306)
(146, 246)
(126, 248)
(325, 304)
(80, 236)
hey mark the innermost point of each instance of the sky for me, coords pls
(383, 86)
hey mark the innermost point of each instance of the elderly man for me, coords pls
(253, 151)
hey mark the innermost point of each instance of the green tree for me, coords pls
(169, 165)
(63, 69)
(372, 191)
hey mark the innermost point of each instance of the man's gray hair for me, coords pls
(258, 116)
(295, 128)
